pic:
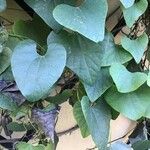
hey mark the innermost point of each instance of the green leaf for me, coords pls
(102, 83)
(78, 114)
(44, 9)
(21, 111)
(125, 80)
(133, 105)
(141, 145)
(7, 75)
(127, 3)
(132, 13)
(148, 79)
(60, 98)
(83, 55)
(5, 59)
(111, 53)
(98, 120)
(36, 74)
(19, 127)
(3, 5)
(135, 47)
(36, 30)
(87, 19)
(28, 146)
(7, 103)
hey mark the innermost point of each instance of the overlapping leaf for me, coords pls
(87, 19)
(36, 30)
(98, 120)
(45, 8)
(111, 53)
(133, 105)
(135, 47)
(83, 55)
(125, 80)
(132, 13)
(102, 83)
(78, 114)
(36, 74)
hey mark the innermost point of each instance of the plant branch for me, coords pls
(68, 131)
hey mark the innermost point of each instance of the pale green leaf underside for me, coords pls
(102, 83)
(133, 105)
(35, 74)
(127, 3)
(87, 19)
(135, 47)
(126, 81)
(78, 114)
(83, 55)
(98, 120)
(2, 5)
(132, 13)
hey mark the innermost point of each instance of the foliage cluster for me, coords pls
(67, 45)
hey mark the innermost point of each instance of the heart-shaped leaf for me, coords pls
(102, 83)
(78, 114)
(127, 3)
(87, 19)
(83, 55)
(45, 8)
(135, 11)
(135, 47)
(5, 57)
(2, 5)
(111, 53)
(36, 74)
(133, 105)
(125, 80)
(98, 120)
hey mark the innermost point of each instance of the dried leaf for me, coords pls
(46, 120)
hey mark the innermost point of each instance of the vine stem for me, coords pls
(68, 131)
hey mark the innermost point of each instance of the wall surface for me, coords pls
(74, 141)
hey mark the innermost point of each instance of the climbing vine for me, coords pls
(67, 54)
